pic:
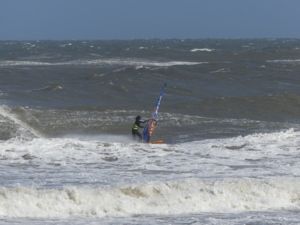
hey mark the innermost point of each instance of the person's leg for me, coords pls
(139, 135)
(133, 134)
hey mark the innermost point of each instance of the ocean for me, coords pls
(230, 121)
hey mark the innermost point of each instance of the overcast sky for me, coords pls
(134, 19)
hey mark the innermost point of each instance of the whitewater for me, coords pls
(244, 174)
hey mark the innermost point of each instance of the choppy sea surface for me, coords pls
(230, 120)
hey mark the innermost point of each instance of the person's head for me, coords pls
(138, 118)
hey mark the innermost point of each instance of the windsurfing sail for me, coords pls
(152, 123)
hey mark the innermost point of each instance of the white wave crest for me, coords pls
(202, 50)
(285, 61)
(24, 130)
(165, 198)
(123, 62)
(10, 63)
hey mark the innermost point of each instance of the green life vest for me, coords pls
(135, 127)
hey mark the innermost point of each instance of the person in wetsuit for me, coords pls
(135, 127)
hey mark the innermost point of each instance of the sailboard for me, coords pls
(152, 123)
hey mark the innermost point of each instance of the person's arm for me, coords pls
(146, 121)
(142, 122)
(139, 124)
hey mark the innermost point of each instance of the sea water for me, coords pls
(229, 120)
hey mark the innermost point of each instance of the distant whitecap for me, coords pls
(202, 50)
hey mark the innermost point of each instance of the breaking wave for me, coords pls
(13, 126)
(164, 198)
(97, 62)
(202, 50)
(285, 61)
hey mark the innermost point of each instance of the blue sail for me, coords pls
(151, 124)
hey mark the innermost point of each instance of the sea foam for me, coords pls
(164, 198)
(285, 61)
(202, 50)
(100, 62)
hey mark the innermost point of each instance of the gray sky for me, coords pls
(131, 19)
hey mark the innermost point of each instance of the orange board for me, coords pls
(157, 142)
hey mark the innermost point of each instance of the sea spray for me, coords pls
(167, 198)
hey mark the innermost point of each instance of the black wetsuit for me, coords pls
(135, 128)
